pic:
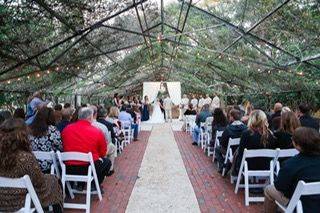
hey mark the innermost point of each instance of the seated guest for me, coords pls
(201, 118)
(191, 110)
(233, 130)
(258, 136)
(81, 136)
(44, 136)
(219, 123)
(57, 113)
(67, 105)
(125, 116)
(19, 113)
(101, 118)
(66, 114)
(289, 122)
(113, 116)
(304, 166)
(5, 115)
(16, 161)
(111, 152)
(305, 118)
(274, 120)
(285, 109)
(248, 110)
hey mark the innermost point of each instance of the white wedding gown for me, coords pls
(157, 116)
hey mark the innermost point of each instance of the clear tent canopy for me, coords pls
(99, 47)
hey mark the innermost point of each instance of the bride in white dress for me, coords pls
(157, 115)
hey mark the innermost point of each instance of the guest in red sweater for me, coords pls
(81, 136)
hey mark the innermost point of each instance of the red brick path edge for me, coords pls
(213, 192)
(118, 187)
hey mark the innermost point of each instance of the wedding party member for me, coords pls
(126, 115)
(18, 160)
(207, 100)
(304, 166)
(215, 103)
(200, 103)
(82, 136)
(116, 100)
(145, 109)
(162, 108)
(35, 102)
(184, 105)
(194, 102)
(258, 136)
(167, 104)
(201, 118)
(233, 130)
(44, 136)
(306, 119)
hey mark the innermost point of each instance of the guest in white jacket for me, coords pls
(200, 103)
(215, 103)
(194, 102)
(207, 100)
(184, 105)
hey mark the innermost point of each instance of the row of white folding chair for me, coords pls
(284, 153)
(302, 189)
(31, 196)
(274, 155)
(91, 176)
(216, 144)
(127, 132)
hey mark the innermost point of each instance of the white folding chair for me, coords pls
(190, 122)
(284, 153)
(216, 144)
(202, 136)
(49, 156)
(244, 171)
(127, 132)
(302, 189)
(229, 155)
(91, 176)
(31, 196)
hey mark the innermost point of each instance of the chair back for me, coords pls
(23, 183)
(50, 156)
(218, 135)
(285, 153)
(125, 124)
(254, 153)
(302, 189)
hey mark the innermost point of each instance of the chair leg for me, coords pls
(246, 188)
(88, 196)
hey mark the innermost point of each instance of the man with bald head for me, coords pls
(275, 118)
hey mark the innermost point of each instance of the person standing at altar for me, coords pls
(184, 105)
(167, 103)
(162, 108)
(215, 102)
(194, 102)
(116, 100)
(200, 103)
(145, 109)
(207, 100)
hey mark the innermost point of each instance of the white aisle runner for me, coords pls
(163, 185)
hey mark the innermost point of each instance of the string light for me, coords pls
(259, 69)
(57, 68)
(38, 75)
(48, 71)
(28, 77)
(9, 82)
(300, 73)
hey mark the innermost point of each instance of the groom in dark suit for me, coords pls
(162, 108)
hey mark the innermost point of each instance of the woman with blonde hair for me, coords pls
(289, 123)
(113, 116)
(258, 136)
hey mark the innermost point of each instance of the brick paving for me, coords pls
(118, 188)
(214, 193)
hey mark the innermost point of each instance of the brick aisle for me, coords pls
(214, 193)
(118, 188)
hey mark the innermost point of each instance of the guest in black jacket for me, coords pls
(233, 130)
(289, 122)
(101, 118)
(219, 123)
(190, 110)
(305, 118)
(304, 166)
(258, 136)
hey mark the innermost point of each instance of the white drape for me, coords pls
(151, 90)
(174, 90)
